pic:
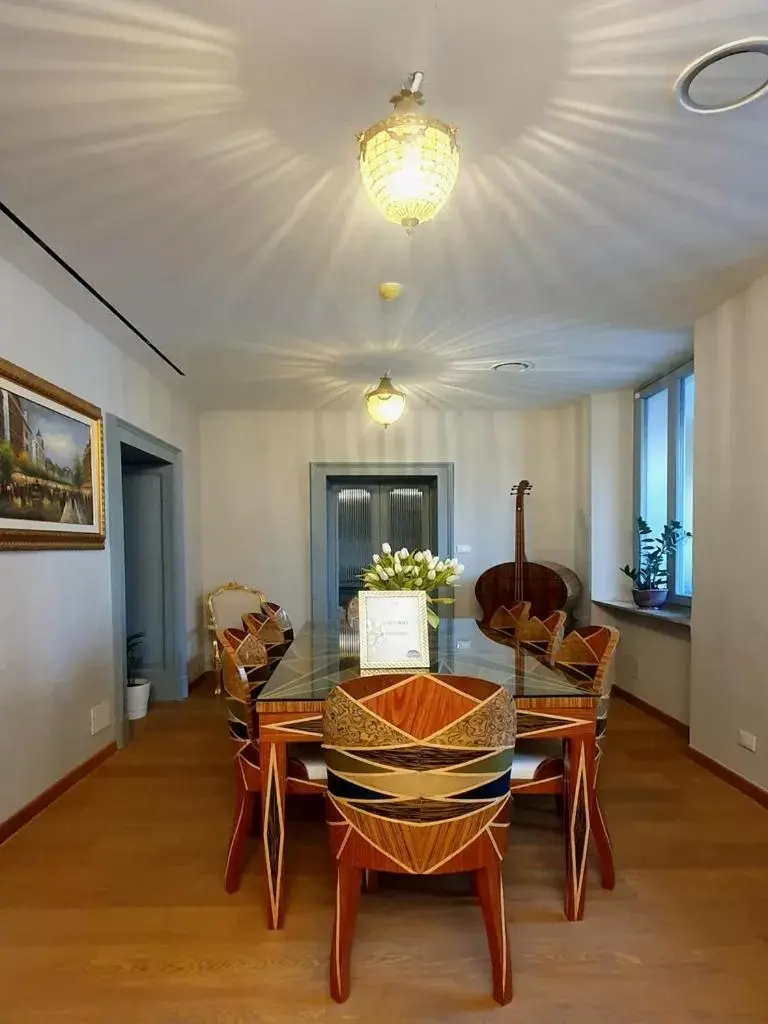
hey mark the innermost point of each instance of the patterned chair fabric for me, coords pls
(510, 619)
(273, 627)
(538, 766)
(543, 637)
(225, 607)
(353, 611)
(418, 783)
(246, 668)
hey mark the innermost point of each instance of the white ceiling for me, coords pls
(196, 162)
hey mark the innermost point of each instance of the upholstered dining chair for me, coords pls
(542, 637)
(273, 627)
(225, 608)
(509, 620)
(418, 783)
(245, 669)
(585, 656)
(353, 611)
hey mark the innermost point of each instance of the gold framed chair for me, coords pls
(225, 607)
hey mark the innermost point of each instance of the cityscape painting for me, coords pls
(51, 477)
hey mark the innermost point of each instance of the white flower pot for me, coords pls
(137, 698)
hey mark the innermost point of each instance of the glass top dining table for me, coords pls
(289, 710)
(324, 654)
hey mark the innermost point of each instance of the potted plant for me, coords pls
(137, 688)
(413, 570)
(649, 579)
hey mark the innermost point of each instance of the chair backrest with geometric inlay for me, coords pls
(585, 655)
(509, 619)
(245, 669)
(272, 626)
(418, 772)
(543, 636)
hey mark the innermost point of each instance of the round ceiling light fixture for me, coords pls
(513, 366)
(726, 78)
(409, 162)
(385, 403)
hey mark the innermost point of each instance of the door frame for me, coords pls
(116, 433)
(319, 472)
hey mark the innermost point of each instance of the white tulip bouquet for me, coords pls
(413, 570)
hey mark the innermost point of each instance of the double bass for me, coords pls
(547, 585)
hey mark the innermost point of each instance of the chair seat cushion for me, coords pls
(534, 758)
(306, 761)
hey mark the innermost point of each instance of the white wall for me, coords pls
(255, 503)
(729, 625)
(55, 607)
(652, 659)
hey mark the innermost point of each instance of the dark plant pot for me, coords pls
(650, 598)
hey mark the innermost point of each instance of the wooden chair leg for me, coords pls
(490, 889)
(603, 844)
(348, 884)
(238, 844)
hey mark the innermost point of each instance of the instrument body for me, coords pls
(548, 586)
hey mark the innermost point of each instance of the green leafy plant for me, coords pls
(652, 573)
(134, 656)
(413, 570)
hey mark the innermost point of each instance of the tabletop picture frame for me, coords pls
(393, 629)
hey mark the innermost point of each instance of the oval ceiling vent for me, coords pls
(726, 78)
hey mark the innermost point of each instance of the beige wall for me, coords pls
(255, 503)
(729, 629)
(56, 651)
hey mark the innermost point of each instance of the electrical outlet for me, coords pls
(463, 549)
(747, 740)
(463, 645)
(101, 717)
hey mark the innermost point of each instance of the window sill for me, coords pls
(676, 615)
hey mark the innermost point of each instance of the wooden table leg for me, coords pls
(579, 804)
(273, 782)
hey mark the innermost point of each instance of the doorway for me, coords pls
(146, 540)
(365, 512)
(355, 507)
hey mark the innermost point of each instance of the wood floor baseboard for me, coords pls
(674, 724)
(45, 799)
(750, 789)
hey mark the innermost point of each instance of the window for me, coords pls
(664, 467)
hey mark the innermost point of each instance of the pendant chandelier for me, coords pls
(409, 162)
(385, 403)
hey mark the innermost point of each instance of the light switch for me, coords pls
(463, 549)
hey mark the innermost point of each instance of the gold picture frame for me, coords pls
(393, 629)
(51, 466)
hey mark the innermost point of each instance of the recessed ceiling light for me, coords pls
(513, 366)
(726, 78)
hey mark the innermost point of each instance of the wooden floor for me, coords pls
(112, 907)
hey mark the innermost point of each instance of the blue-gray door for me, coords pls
(363, 513)
(146, 520)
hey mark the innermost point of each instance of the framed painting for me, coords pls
(51, 465)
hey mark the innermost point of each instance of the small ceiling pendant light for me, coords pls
(385, 403)
(409, 162)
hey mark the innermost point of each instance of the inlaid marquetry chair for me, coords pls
(585, 656)
(225, 607)
(510, 619)
(245, 669)
(418, 783)
(542, 637)
(273, 627)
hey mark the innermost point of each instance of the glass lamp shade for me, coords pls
(409, 164)
(385, 403)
